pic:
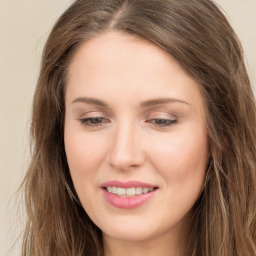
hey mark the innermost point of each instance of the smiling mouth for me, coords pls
(128, 192)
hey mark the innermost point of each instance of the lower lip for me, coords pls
(130, 202)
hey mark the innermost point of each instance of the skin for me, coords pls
(161, 142)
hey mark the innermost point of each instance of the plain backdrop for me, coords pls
(24, 26)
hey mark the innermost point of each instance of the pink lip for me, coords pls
(126, 184)
(127, 202)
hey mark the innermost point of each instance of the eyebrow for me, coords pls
(159, 101)
(91, 101)
(144, 104)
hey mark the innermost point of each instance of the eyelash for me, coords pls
(89, 121)
(99, 121)
(163, 122)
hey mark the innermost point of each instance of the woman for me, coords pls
(143, 134)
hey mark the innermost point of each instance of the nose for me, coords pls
(126, 150)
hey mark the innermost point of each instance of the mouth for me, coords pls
(130, 191)
(128, 194)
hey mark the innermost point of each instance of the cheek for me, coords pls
(84, 158)
(84, 155)
(182, 159)
(182, 164)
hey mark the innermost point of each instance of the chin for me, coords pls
(130, 235)
(130, 230)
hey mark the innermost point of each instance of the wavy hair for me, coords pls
(199, 37)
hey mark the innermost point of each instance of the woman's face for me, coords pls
(135, 137)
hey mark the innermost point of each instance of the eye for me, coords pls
(93, 121)
(162, 122)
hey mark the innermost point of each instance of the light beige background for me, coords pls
(24, 26)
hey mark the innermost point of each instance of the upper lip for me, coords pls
(127, 184)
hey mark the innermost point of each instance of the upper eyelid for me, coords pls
(106, 120)
(92, 114)
(87, 121)
(93, 117)
(83, 109)
(82, 113)
(165, 119)
(161, 115)
(96, 114)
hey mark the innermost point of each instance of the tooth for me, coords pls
(145, 190)
(138, 190)
(121, 191)
(130, 191)
(114, 190)
(109, 189)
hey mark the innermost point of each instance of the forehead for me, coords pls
(116, 48)
(115, 64)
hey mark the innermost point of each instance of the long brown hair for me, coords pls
(199, 37)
